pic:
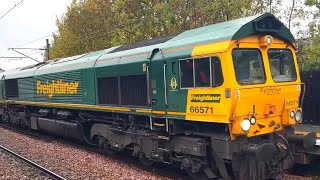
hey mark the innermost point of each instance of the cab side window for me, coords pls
(186, 73)
(200, 72)
(217, 77)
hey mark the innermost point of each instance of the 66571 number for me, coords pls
(201, 109)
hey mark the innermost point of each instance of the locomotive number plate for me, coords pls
(291, 103)
(201, 109)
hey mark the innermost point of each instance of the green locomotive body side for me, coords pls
(73, 80)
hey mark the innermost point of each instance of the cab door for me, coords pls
(176, 97)
(158, 84)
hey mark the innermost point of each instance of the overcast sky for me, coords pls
(30, 20)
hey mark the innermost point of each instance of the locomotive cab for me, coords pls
(255, 91)
(267, 86)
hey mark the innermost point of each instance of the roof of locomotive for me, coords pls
(180, 45)
(207, 34)
(23, 72)
(83, 61)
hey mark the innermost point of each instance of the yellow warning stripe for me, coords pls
(93, 107)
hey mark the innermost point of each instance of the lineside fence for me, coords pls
(311, 101)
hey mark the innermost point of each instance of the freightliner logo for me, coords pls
(214, 98)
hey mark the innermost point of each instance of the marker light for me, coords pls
(292, 114)
(265, 40)
(253, 120)
(298, 116)
(269, 40)
(245, 125)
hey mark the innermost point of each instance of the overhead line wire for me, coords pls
(34, 40)
(28, 43)
(11, 9)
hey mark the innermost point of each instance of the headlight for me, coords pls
(245, 125)
(253, 120)
(292, 114)
(298, 116)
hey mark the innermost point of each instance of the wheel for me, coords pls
(198, 171)
(144, 160)
(6, 117)
(201, 175)
(105, 146)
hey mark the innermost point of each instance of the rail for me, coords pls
(33, 164)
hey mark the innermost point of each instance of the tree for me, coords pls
(310, 51)
(90, 25)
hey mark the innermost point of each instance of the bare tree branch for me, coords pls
(292, 8)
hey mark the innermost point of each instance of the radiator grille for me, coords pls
(11, 88)
(134, 90)
(108, 90)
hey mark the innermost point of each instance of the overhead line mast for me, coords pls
(35, 40)
(24, 55)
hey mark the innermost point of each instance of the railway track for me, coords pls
(31, 163)
(158, 168)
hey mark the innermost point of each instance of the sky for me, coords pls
(29, 21)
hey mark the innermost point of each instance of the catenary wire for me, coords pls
(35, 40)
(11, 9)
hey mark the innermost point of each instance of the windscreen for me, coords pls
(282, 65)
(248, 66)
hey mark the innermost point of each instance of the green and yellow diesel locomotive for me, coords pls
(218, 101)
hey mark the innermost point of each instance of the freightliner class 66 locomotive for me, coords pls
(218, 101)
